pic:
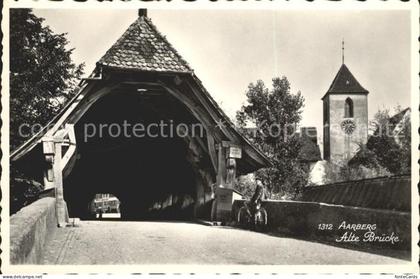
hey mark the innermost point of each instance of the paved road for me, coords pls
(115, 242)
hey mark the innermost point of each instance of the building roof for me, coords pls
(143, 47)
(397, 118)
(345, 83)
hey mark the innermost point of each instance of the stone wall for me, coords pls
(30, 227)
(305, 220)
(390, 193)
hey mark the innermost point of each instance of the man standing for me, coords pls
(258, 195)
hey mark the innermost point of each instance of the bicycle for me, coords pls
(253, 219)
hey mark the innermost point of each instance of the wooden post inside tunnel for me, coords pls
(226, 177)
(55, 164)
(60, 206)
(49, 151)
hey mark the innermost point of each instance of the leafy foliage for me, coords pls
(246, 185)
(23, 193)
(309, 151)
(275, 112)
(392, 155)
(390, 145)
(42, 74)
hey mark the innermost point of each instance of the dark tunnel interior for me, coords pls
(150, 175)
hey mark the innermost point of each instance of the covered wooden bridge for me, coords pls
(140, 79)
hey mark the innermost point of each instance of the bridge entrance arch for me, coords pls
(143, 146)
(93, 145)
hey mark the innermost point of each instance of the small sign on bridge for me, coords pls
(235, 152)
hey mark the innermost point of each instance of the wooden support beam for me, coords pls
(72, 146)
(52, 148)
(214, 115)
(61, 208)
(198, 113)
(233, 136)
(193, 108)
(70, 165)
(49, 151)
(212, 152)
(230, 173)
(201, 143)
(69, 110)
(89, 101)
(221, 166)
(55, 123)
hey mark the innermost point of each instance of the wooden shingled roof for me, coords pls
(142, 47)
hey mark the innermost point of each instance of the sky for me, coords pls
(228, 49)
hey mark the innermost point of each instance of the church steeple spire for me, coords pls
(342, 51)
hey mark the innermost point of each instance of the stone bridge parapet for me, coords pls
(329, 223)
(29, 230)
(390, 193)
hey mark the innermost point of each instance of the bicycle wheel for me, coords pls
(243, 218)
(260, 220)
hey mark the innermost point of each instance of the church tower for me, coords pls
(345, 116)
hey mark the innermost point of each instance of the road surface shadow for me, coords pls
(151, 220)
(398, 254)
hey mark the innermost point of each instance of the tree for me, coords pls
(275, 113)
(246, 185)
(391, 141)
(42, 74)
(389, 147)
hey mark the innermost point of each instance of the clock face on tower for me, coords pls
(348, 126)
